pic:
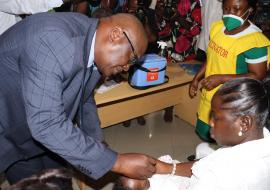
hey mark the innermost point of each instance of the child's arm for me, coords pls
(182, 169)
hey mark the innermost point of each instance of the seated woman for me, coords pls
(236, 48)
(239, 112)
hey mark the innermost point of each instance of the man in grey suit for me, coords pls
(50, 64)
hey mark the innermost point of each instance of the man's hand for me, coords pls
(163, 167)
(212, 82)
(136, 166)
(193, 87)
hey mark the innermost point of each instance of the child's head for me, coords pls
(239, 111)
(50, 179)
(124, 183)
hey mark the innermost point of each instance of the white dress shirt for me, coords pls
(91, 57)
(168, 182)
(11, 9)
(242, 167)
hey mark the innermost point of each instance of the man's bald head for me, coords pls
(134, 29)
(112, 48)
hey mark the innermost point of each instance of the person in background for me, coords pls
(262, 16)
(86, 7)
(211, 11)
(145, 11)
(237, 48)
(111, 5)
(50, 65)
(120, 6)
(238, 120)
(180, 24)
(10, 10)
(102, 12)
(80, 7)
(140, 8)
(50, 179)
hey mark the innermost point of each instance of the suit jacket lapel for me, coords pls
(91, 82)
(86, 51)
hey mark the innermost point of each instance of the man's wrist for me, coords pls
(116, 165)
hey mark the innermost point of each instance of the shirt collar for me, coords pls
(92, 53)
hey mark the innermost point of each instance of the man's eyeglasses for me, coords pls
(134, 59)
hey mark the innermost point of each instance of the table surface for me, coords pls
(177, 76)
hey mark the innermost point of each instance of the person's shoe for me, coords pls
(127, 123)
(141, 120)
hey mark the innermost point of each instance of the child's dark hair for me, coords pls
(118, 185)
(50, 179)
(246, 96)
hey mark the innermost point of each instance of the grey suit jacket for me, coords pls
(41, 69)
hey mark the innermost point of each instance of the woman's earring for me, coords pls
(240, 133)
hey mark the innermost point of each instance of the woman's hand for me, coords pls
(193, 88)
(163, 167)
(212, 81)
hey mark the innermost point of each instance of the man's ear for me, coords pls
(116, 33)
(246, 122)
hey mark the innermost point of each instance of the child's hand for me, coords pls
(193, 87)
(211, 82)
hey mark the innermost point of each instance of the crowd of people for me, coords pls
(51, 63)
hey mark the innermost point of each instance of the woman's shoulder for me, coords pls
(248, 160)
(250, 38)
(216, 27)
(252, 31)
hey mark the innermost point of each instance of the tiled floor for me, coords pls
(156, 138)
